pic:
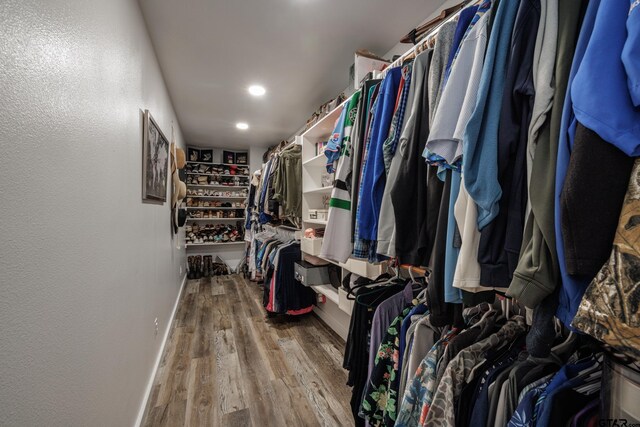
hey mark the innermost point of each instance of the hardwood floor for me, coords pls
(226, 364)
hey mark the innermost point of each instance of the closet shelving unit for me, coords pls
(222, 198)
(336, 311)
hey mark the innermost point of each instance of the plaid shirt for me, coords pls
(390, 144)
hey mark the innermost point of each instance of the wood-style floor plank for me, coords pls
(227, 364)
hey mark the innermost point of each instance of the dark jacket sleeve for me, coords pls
(500, 241)
(591, 201)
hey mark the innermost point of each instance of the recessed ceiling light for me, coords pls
(257, 90)
(242, 126)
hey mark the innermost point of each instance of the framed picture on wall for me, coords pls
(228, 157)
(194, 155)
(206, 156)
(241, 158)
(155, 160)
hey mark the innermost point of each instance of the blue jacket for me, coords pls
(374, 175)
(480, 154)
(631, 52)
(573, 287)
(600, 91)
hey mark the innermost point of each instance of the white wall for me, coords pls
(85, 266)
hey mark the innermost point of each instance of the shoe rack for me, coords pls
(216, 200)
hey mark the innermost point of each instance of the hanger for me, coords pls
(352, 297)
(485, 315)
(377, 284)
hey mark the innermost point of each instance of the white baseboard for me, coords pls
(147, 392)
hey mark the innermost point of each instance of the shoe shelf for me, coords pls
(218, 197)
(216, 164)
(211, 207)
(216, 186)
(222, 187)
(218, 174)
(216, 219)
(189, 245)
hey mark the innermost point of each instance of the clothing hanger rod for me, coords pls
(425, 40)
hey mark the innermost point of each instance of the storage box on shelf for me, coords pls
(311, 246)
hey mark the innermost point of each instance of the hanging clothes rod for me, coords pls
(283, 234)
(418, 270)
(421, 45)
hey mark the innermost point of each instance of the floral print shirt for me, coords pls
(379, 405)
(419, 393)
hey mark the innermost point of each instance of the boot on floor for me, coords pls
(198, 267)
(190, 268)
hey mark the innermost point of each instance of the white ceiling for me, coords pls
(300, 50)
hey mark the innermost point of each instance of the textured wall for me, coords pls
(85, 267)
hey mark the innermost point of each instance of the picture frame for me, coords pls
(155, 160)
(206, 156)
(241, 159)
(228, 157)
(193, 155)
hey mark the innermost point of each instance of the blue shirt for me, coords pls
(465, 18)
(567, 377)
(572, 287)
(524, 414)
(631, 52)
(600, 91)
(480, 154)
(361, 247)
(374, 168)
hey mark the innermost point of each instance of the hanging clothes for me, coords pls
(409, 190)
(500, 242)
(370, 89)
(288, 184)
(283, 293)
(373, 172)
(609, 307)
(336, 244)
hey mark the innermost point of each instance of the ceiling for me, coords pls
(210, 51)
